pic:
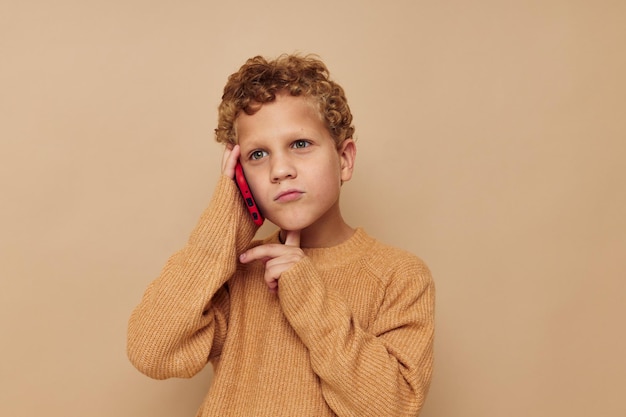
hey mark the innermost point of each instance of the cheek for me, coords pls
(256, 187)
(326, 180)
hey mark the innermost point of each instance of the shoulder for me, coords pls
(390, 263)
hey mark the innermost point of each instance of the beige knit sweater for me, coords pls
(349, 333)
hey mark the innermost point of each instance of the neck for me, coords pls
(324, 233)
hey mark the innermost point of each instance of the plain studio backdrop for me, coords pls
(491, 143)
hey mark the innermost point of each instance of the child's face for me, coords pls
(292, 164)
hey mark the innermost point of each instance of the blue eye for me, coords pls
(258, 154)
(301, 143)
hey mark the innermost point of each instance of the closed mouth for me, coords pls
(288, 195)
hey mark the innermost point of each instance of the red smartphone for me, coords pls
(253, 209)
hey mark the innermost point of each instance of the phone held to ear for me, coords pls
(253, 209)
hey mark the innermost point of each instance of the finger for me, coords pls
(261, 252)
(272, 286)
(271, 250)
(275, 268)
(274, 272)
(292, 238)
(228, 148)
(229, 160)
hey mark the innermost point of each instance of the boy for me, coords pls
(319, 319)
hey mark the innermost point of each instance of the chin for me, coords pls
(291, 224)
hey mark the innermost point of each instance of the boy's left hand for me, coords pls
(277, 258)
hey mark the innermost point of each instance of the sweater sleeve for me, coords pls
(384, 370)
(182, 319)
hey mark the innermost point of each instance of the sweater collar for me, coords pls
(354, 247)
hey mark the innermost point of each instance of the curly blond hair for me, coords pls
(259, 80)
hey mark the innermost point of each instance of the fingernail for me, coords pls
(242, 257)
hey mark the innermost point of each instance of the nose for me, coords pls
(282, 168)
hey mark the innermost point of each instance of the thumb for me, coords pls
(292, 238)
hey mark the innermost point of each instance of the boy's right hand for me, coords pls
(229, 160)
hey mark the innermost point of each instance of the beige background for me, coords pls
(491, 142)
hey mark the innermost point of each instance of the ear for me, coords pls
(347, 155)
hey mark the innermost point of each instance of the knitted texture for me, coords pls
(349, 333)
